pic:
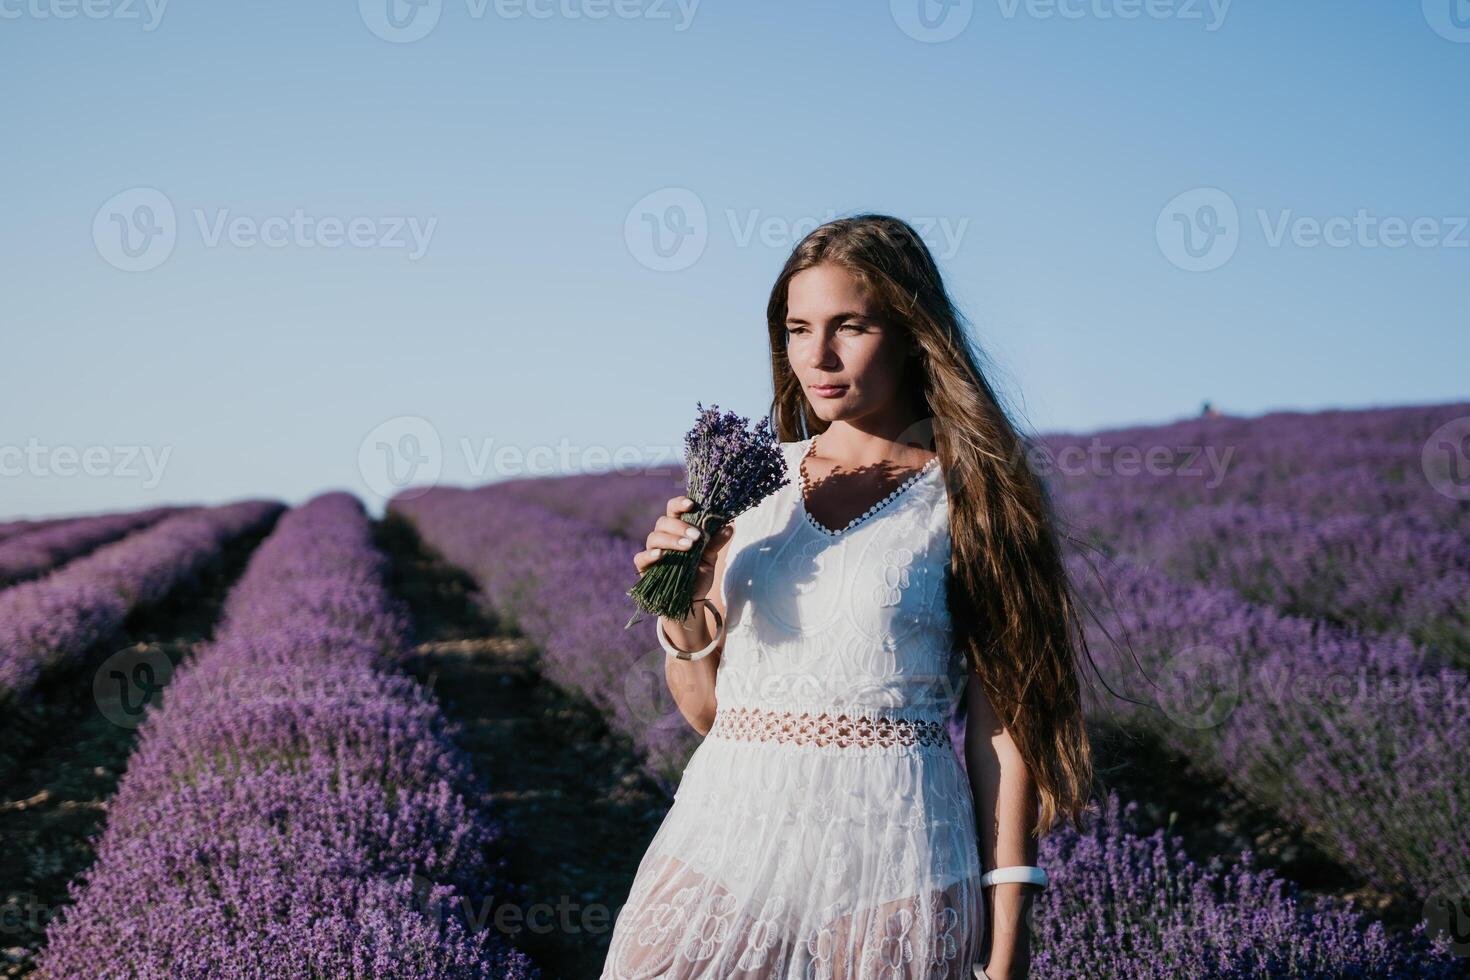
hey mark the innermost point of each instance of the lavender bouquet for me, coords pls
(729, 468)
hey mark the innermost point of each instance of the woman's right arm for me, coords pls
(691, 682)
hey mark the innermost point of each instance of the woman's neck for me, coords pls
(853, 447)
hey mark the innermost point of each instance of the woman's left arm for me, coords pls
(1005, 816)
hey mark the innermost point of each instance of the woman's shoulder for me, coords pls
(791, 449)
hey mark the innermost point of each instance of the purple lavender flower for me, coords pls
(52, 620)
(729, 468)
(36, 551)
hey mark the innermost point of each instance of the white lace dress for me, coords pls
(824, 828)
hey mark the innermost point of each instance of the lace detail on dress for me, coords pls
(803, 485)
(759, 725)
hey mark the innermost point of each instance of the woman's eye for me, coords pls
(858, 327)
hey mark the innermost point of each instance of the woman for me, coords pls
(824, 828)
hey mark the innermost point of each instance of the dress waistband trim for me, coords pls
(826, 728)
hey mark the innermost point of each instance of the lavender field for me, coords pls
(1298, 629)
(254, 740)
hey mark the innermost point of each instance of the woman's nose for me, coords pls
(823, 356)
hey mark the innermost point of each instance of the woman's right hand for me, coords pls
(672, 533)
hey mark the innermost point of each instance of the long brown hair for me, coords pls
(1009, 598)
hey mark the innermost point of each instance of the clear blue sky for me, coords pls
(523, 141)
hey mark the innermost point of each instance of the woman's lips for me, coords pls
(828, 391)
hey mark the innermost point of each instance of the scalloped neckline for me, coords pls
(908, 483)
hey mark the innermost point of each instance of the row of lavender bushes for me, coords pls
(1122, 905)
(31, 553)
(1388, 574)
(297, 807)
(1346, 735)
(1313, 605)
(24, 525)
(562, 581)
(1316, 464)
(58, 618)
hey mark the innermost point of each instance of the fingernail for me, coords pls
(691, 533)
(656, 552)
(685, 542)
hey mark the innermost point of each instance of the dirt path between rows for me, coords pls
(579, 808)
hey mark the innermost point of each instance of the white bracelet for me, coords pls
(1024, 873)
(675, 652)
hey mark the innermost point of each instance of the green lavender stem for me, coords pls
(666, 588)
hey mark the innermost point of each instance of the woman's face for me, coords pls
(833, 338)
